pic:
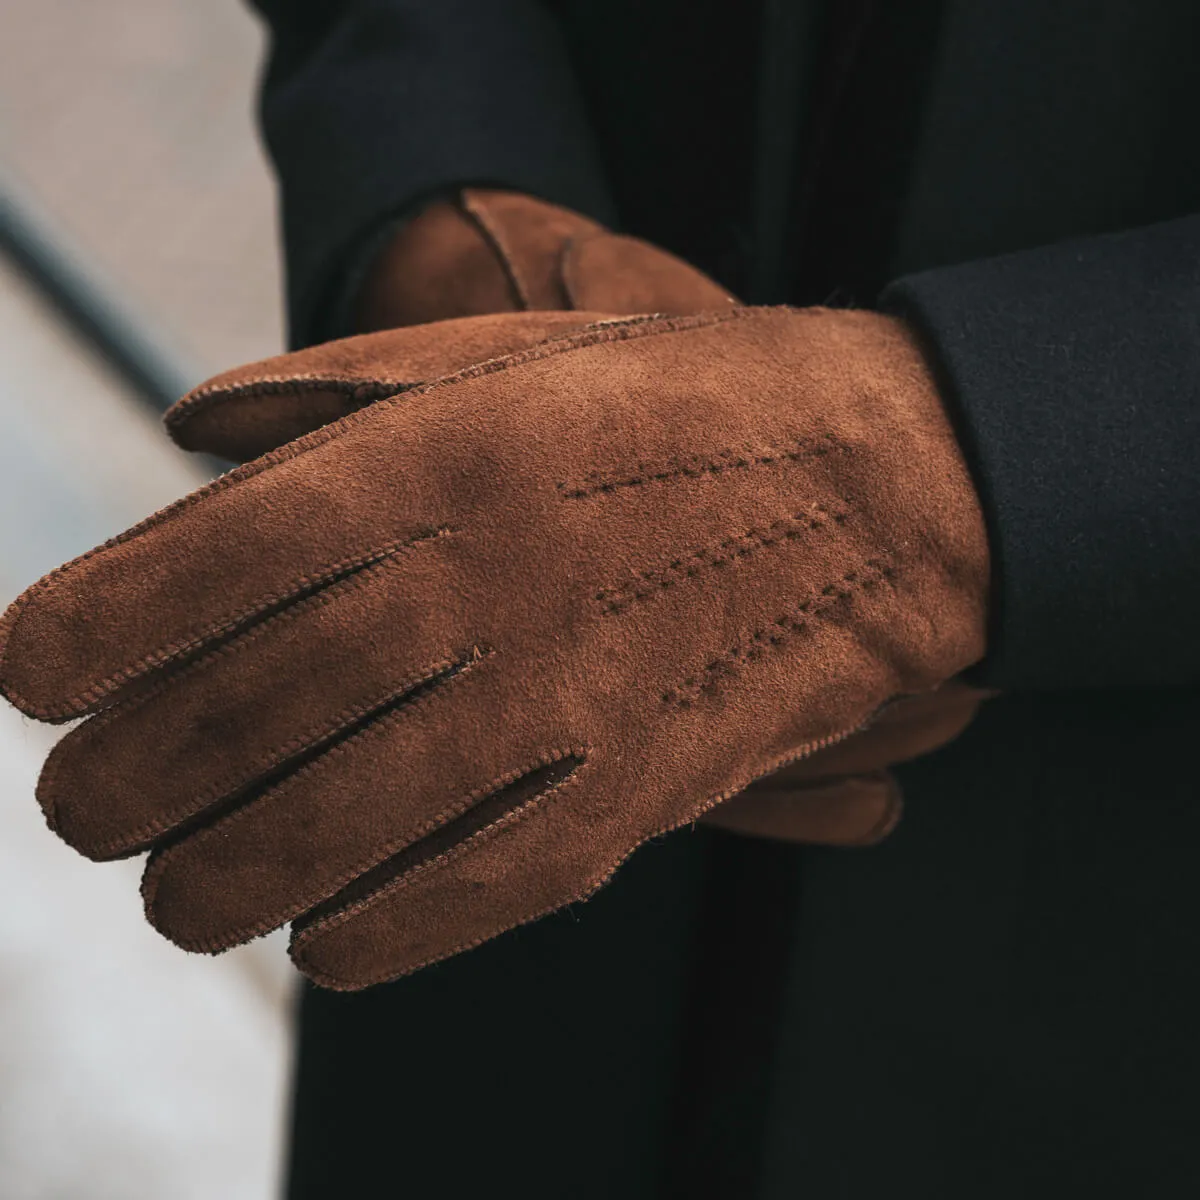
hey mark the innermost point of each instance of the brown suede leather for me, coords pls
(489, 251)
(437, 668)
(240, 421)
(493, 251)
(844, 795)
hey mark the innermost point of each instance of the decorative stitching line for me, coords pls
(157, 866)
(697, 466)
(207, 399)
(193, 641)
(336, 920)
(230, 784)
(728, 550)
(780, 630)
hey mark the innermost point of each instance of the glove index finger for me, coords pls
(253, 409)
(244, 547)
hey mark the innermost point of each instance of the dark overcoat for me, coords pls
(1002, 1000)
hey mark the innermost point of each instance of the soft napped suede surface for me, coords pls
(438, 667)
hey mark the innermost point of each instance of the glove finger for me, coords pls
(905, 729)
(843, 795)
(197, 574)
(514, 863)
(400, 778)
(855, 811)
(255, 408)
(529, 861)
(608, 272)
(259, 707)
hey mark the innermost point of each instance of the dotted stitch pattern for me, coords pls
(728, 550)
(785, 626)
(696, 466)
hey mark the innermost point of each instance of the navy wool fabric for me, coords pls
(1075, 372)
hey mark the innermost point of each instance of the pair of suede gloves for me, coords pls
(504, 590)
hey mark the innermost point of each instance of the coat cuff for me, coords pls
(1074, 375)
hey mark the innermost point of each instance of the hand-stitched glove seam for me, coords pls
(194, 640)
(698, 466)
(213, 398)
(405, 841)
(157, 866)
(339, 918)
(729, 550)
(787, 625)
(392, 847)
(277, 757)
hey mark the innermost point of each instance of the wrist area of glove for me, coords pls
(908, 487)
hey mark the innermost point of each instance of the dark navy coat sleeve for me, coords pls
(1074, 371)
(370, 105)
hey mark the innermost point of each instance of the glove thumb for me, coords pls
(253, 409)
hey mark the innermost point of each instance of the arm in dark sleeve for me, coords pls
(1074, 372)
(370, 105)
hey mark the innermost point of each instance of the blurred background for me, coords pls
(137, 255)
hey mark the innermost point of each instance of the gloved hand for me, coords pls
(491, 251)
(437, 668)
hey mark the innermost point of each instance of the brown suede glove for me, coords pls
(494, 251)
(437, 668)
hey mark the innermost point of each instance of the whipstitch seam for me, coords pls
(157, 866)
(393, 846)
(211, 398)
(194, 640)
(337, 920)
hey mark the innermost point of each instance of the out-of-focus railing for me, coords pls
(137, 352)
